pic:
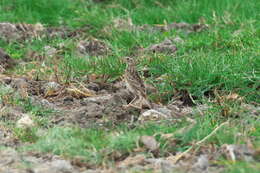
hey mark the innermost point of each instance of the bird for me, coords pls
(135, 85)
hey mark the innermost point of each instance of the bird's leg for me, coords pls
(133, 100)
(131, 104)
(140, 105)
(137, 103)
(144, 102)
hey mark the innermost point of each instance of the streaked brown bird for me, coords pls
(135, 85)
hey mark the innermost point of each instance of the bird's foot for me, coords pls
(131, 105)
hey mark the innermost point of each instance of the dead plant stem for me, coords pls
(178, 157)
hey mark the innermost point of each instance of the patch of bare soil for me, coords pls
(203, 160)
(183, 26)
(22, 31)
(15, 162)
(86, 103)
(123, 24)
(93, 102)
(92, 47)
(63, 32)
(7, 138)
(11, 32)
(98, 103)
(167, 46)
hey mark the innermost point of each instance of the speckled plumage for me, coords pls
(135, 84)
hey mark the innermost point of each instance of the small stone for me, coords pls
(202, 163)
(46, 103)
(165, 111)
(165, 165)
(50, 51)
(153, 115)
(25, 122)
(63, 166)
(149, 142)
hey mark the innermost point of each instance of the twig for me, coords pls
(178, 157)
(212, 133)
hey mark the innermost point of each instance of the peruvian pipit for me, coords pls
(135, 85)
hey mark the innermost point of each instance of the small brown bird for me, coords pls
(135, 85)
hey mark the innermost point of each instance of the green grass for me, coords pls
(33, 11)
(63, 11)
(217, 58)
(242, 167)
(97, 145)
